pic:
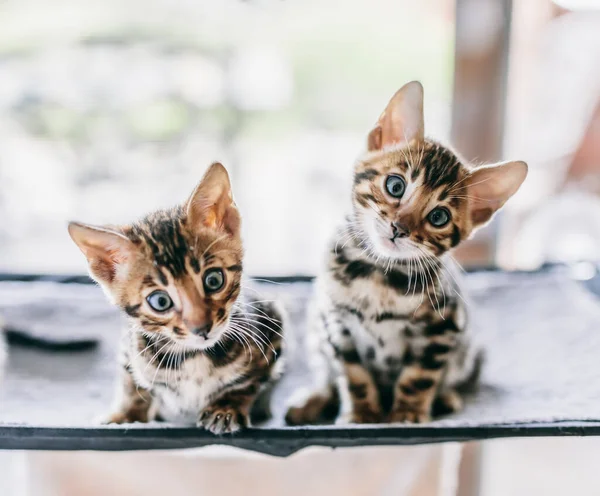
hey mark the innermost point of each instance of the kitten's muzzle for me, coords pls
(399, 230)
(201, 331)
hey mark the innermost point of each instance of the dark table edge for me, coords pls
(277, 442)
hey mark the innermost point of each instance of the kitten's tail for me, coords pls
(314, 408)
(469, 385)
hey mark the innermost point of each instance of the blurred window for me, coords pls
(111, 109)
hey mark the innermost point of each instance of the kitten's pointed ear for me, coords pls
(107, 250)
(211, 204)
(489, 187)
(402, 119)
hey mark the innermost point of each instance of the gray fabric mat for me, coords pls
(541, 332)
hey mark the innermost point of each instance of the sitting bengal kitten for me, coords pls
(388, 330)
(195, 349)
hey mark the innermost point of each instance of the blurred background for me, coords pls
(111, 109)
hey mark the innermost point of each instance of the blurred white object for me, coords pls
(198, 79)
(260, 79)
(34, 174)
(555, 87)
(578, 4)
(565, 228)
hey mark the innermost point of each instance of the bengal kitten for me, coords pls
(195, 349)
(388, 329)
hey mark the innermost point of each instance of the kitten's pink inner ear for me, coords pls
(211, 204)
(490, 187)
(105, 249)
(402, 120)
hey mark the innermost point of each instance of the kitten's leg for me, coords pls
(359, 395)
(357, 390)
(132, 403)
(319, 401)
(422, 374)
(231, 411)
(249, 390)
(414, 394)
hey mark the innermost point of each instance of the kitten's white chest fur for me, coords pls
(182, 392)
(379, 340)
(380, 346)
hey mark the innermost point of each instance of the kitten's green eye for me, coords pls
(159, 301)
(213, 280)
(439, 217)
(395, 186)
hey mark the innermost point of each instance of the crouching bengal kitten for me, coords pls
(388, 330)
(195, 350)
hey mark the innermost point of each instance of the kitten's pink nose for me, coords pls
(200, 330)
(399, 230)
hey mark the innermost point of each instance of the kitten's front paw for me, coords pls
(222, 420)
(409, 414)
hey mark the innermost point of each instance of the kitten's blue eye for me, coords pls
(395, 186)
(439, 217)
(159, 301)
(213, 280)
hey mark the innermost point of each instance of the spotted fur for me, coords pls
(207, 358)
(388, 332)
